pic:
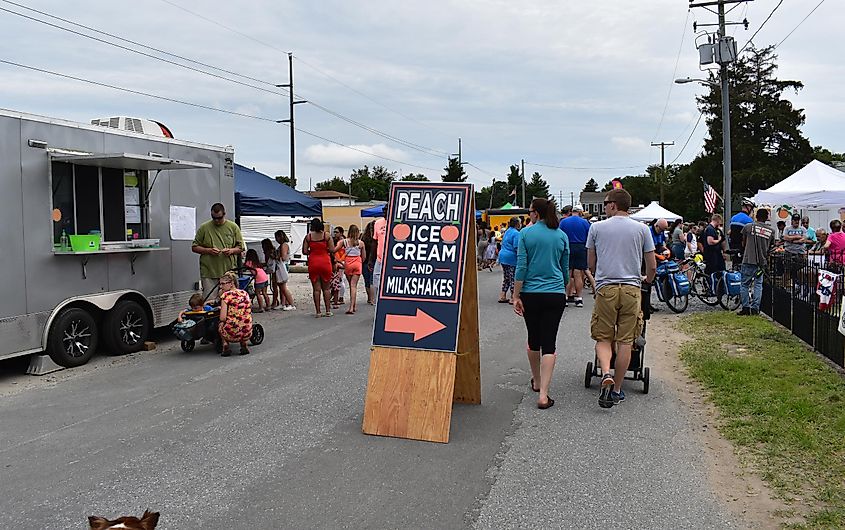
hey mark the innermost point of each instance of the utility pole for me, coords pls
(291, 102)
(492, 191)
(522, 165)
(572, 199)
(560, 199)
(724, 51)
(662, 177)
(459, 152)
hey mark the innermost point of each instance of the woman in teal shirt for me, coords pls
(539, 293)
(507, 258)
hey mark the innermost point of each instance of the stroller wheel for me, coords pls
(257, 335)
(646, 373)
(187, 345)
(588, 375)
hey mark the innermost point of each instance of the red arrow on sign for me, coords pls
(421, 325)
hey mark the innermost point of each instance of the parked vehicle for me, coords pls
(98, 224)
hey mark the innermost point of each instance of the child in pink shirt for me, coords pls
(262, 280)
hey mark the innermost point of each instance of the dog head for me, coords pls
(148, 521)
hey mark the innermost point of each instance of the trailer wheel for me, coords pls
(73, 337)
(125, 328)
(187, 345)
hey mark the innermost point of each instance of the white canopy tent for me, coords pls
(815, 185)
(654, 211)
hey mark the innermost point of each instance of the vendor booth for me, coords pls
(816, 188)
(654, 211)
(264, 205)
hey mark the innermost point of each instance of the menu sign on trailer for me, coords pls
(423, 266)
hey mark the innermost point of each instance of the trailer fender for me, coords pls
(103, 301)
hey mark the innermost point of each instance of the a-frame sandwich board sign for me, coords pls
(425, 353)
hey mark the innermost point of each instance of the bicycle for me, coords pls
(719, 288)
(672, 286)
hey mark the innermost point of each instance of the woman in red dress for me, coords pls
(235, 314)
(319, 249)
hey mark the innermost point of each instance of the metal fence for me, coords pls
(791, 298)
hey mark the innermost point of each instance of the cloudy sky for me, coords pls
(583, 86)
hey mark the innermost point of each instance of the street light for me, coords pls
(726, 137)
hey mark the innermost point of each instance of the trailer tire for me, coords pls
(72, 339)
(125, 328)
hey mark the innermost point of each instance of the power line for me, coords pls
(300, 59)
(799, 24)
(206, 107)
(123, 39)
(224, 26)
(700, 114)
(139, 52)
(138, 92)
(362, 150)
(482, 170)
(674, 72)
(406, 143)
(582, 168)
(761, 27)
(338, 81)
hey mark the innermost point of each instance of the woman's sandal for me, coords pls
(318, 315)
(350, 312)
(533, 387)
(548, 404)
(328, 314)
(503, 301)
(226, 352)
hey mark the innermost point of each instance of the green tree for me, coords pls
(824, 155)
(411, 177)
(537, 187)
(767, 144)
(287, 181)
(591, 186)
(454, 172)
(493, 196)
(334, 184)
(366, 184)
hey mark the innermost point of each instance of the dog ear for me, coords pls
(98, 523)
(149, 520)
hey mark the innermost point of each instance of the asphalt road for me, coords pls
(273, 440)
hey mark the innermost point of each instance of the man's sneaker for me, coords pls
(570, 299)
(755, 312)
(579, 302)
(744, 312)
(605, 398)
(289, 308)
(617, 397)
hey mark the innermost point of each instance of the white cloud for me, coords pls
(331, 155)
(629, 144)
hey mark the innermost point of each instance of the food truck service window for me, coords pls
(99, 200)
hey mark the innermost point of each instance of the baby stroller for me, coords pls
(635, 367)
(199, 325)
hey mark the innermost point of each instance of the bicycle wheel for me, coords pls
(701, 288)
(678, 304)
(729, 302)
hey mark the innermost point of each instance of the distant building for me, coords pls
(333, 198)
(593, 202)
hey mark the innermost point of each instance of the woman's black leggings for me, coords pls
(542, 313)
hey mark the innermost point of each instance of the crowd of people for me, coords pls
(546, 264)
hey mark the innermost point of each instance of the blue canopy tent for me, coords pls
(258, 194)
(373, 211)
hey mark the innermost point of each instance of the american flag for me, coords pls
(710, 196)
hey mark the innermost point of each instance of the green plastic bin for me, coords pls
(85, 243)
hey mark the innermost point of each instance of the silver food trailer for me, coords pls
(96, 240)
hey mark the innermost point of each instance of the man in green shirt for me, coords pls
(218, 242)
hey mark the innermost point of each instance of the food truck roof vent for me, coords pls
(138, 125)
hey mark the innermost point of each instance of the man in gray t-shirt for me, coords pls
(795, 237)
(616, 250)
(757, 240)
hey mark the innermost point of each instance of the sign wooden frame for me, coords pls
(409, 391)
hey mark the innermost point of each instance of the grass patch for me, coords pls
(781, 405)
